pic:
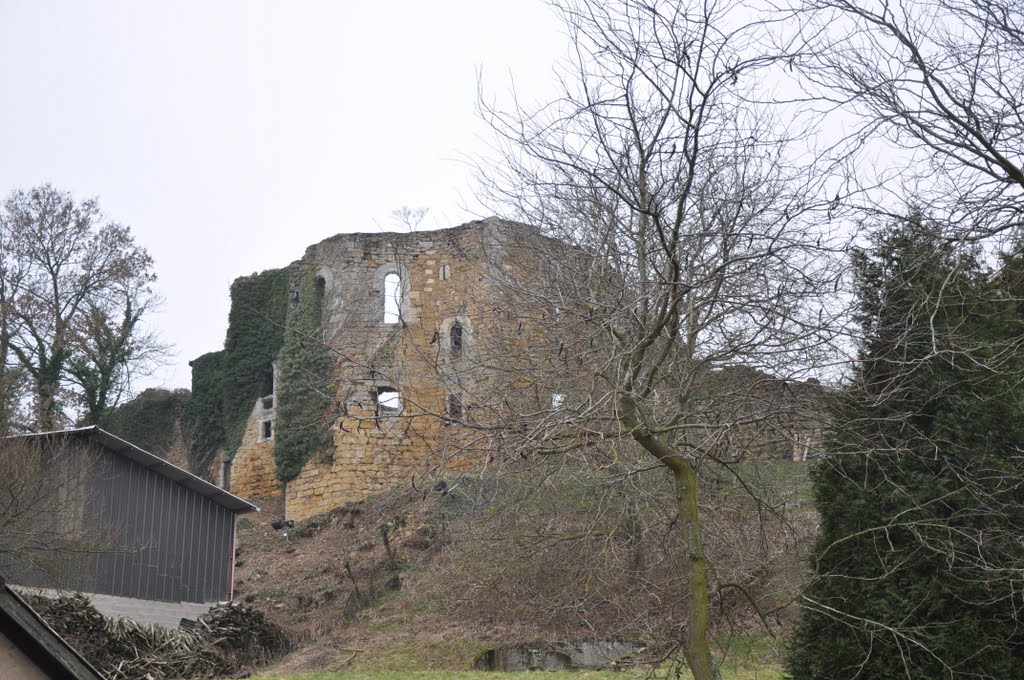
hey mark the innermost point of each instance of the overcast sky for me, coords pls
(231, 135)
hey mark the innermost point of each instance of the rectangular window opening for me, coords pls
(268, 380)
(388, 401)
(267, 430)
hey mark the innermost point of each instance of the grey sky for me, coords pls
(231, 135)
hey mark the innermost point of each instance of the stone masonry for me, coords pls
(399, 379)
(429, 330)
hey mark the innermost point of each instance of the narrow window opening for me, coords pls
(225, 473)
(388, 401)
(802, 445)
(268, 380)
(454, 408)
(455, 338)
(446, 272)
(321, 290)
(392, 298)
(268, 429)
(268, 403)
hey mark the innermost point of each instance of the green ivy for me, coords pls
(255, 335)
(306, 385)
(226, 384)
(150, 420)
(203, 420)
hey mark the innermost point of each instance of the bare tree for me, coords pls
(939, 80)
(936, 85)
(44, 491)
(73, 293)
(692, 254)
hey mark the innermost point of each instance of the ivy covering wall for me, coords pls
(306, 384)
(150, 420)
(226, 384)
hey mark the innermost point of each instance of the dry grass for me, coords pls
(457, 598)
(727, 674)
(455, 675)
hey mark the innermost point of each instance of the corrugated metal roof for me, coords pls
(155, 463)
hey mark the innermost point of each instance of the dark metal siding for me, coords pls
(162, 540)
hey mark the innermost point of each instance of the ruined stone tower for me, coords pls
(381, 359)
(410, 328)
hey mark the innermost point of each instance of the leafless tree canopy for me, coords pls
(44, 494)
(695, 247)
(941, 80)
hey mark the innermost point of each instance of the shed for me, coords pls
(168, 536)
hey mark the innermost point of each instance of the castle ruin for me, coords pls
(383, 358)
(411, 324)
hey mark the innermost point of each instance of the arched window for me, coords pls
(455, 340)
(456, 334)
(392, 298)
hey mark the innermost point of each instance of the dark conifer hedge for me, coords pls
(919, 561)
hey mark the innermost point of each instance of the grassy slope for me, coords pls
(728, 674)
(304, 582)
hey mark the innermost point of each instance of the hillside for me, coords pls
(428, 579)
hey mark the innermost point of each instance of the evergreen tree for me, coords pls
(918, 566)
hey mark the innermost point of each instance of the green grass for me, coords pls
(786, 478)
(743, 658)
(727, 674)
(458, 675)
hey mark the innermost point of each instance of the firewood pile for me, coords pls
(225, 642)
(243, 635)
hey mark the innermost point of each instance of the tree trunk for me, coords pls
(696, 648)
(46, 406)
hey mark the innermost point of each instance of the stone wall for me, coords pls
(481, 311)
(446, 281)
(252, 469)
